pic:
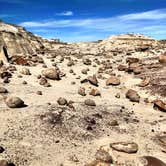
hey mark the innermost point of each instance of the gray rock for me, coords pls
(90, 102)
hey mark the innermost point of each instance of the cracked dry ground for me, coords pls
(45, 133)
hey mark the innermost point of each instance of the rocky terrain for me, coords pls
(97, 103)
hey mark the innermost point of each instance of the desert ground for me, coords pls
(82, 104)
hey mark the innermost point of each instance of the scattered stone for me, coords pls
(113, 80)
(117, 95)
(6, 80)
(39, 93)
(3, 90)
(93, 80)
(62, 101)
(19, 76)
(87, 61)
(25, 71)
(153, 161)
(43, 81)
(159, 105)
(70, 63)
(122, 67)
(103, 156)
(24, 82)
(14, 102)
(1, 149)
(114, 123)
(73, 82)
(127, 147)
(44, 66)
(51, 73)
(71, 71)
(95, 92)
(145, 82)
(84, 71)
(81, 91)
(132, 60)
(39, 76)
(133, 95)
(162, 58)
(90, 102)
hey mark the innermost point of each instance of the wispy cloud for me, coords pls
(13, 1)
(149, 15)
(65, 13)
(149, 23)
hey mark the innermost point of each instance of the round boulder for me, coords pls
(14, 102)
(133, 95)
(90, 102)
(51, 73)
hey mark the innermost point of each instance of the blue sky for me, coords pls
(87, 20)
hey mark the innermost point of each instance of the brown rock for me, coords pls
(93, 80)
(14, 102)
(62, 101)
(159, 105)
(81, 91)
(43, 81)
(153, 161)
(132, 60)
(127, 147)
(95, 92)
(103, 156)
(122, 67)
(87, 61)
(162, 58)
(39, 93)
(70, 63)
(145, 82)
(84, 71)
(113, 80)
(51, 73)
(90, 102)
(133, 95)
(1, 149)
(3, 90)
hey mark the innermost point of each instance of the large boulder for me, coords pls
(14, 102)
(152, 161)
(51, 73)
(162, 58)
(133, 95)
(127, 147)
(159, 105)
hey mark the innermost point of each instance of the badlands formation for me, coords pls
(97, 103)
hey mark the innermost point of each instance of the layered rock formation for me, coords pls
(16, 41)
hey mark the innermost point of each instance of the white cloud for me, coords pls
(149, 23)
(65, 13)
(149, 15)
